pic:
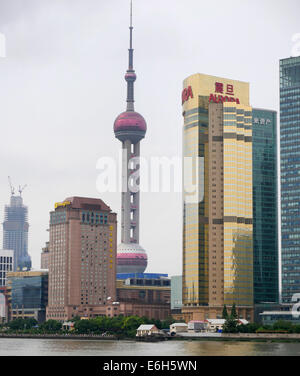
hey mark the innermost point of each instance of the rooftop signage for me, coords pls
(261, 121)
(62, 204)
(223, 93)
(187, 94)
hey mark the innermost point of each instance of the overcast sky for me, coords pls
(62, 86)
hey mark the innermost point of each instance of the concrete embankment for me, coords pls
(239, 336)
(58, 336)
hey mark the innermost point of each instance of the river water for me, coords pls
(66, 347)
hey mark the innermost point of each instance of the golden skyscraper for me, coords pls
(217, 177)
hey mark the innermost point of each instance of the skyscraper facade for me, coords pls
(130, 128)
(15, 232)
(290, 178)
(82, 263)
(265, 204)
(6, 264)
(217, 217)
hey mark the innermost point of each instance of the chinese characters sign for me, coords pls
(223, 93)
(227, 92)
(261, 121)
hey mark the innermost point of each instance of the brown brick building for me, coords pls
(82, 262)
(45, 255)
(139, 299)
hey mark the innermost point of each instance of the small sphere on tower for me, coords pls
(130, 76)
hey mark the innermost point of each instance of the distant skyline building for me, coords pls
(6, 265)
(45, 255)
(130, 128)
(265, 207)
(290, 177)
(218, 213)
(82, 262)
(176, 292)
(15, 232)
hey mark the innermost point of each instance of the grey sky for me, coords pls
(62, 86)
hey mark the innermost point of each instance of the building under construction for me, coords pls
(15, 230)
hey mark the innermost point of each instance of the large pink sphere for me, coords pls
(130, 121)
(131, 258)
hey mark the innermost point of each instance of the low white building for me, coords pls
(197, 326)
(147, 330)
(68, 325)
(178, 328)
(217, 324)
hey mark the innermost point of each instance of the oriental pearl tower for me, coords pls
(130, 128)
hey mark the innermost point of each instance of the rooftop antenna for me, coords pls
(22, 189)
(12, 189)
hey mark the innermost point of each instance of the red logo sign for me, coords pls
(220, 88)
(187, 94)
(221, 99)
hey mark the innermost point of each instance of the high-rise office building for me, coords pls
(15, 232)
(82, 263)
(6, 264)
(290, 178)
(28, 294)
(217, 218)
(130, 128)
(265, 204)
(176, 292)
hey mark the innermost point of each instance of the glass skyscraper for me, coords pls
(290, 175)
(28, 294)
(15, 232)
(265, 225)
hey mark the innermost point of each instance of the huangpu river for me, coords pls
(70, 347)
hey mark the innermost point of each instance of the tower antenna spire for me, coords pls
(130, 68)
(130, 76)
(130, 12)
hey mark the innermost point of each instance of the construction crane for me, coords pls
(12, 189)
(22, 189)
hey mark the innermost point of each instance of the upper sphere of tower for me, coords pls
(130, 76)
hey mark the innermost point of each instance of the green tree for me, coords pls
(167, 322)
(225, 313)
(51, 326)
(248, 328)
(283, 325)
(230, 326)
(86, 326)
(22, 324)
(233, 312)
